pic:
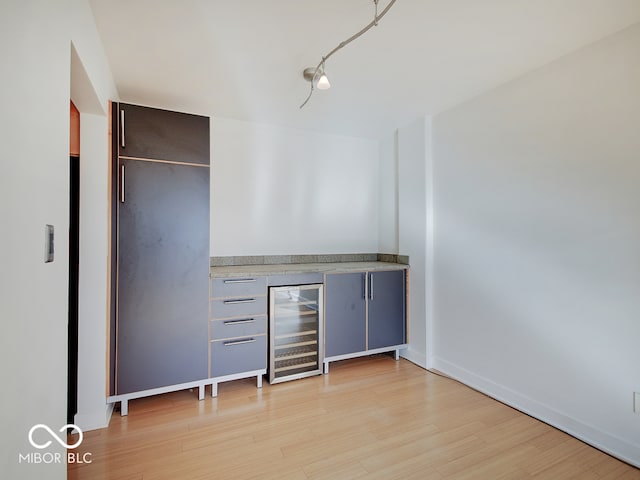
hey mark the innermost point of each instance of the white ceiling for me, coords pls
(244, 59)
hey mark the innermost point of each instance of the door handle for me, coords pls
(366, 286)
(122, 183)
(122, 128)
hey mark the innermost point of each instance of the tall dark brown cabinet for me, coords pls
(160, 331)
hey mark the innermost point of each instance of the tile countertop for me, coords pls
(293, 268)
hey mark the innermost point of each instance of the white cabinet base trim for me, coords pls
(236, 376)
(201, 384)
(124, 398)
(347, 356)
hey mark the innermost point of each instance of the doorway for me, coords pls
(74, 262)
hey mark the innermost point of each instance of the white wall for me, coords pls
(92, 87)
(388, 196)
(35, 47)
(414, 152)
(92, 292)
(537, 268)
(281, 191)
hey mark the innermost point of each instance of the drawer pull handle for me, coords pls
(239, 342)
(240, 322)
(235, 302)
(244, 280)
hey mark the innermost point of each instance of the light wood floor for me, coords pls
(369, 418)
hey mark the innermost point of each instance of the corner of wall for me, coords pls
(429, 238)
(415, 357)
(94, 420)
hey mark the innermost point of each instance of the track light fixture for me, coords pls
(317, 76)
(323, 82)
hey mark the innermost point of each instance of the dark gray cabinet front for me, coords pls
(364, 311)
(345, 313)
(386, 309)
(161, 219)
(163, 276)
(162, 134)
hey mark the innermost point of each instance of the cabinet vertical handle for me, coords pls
(122, 128)
(122, 183)
(371, 286)
(366, 286)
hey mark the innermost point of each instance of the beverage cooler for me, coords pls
(295, 332)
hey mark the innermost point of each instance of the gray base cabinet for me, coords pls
(345, 313)
(237, 330)
(365, 313)
(387, 316)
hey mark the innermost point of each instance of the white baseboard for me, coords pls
(94, 420)
(418, 358)
(599, 439)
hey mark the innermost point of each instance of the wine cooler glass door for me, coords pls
(295, 332)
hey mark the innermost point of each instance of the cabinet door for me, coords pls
(163, 275)
(163, 135)
(387, 325)
(345, 314)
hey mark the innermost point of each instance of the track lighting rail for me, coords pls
(319, 70)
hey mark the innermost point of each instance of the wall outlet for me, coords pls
(636, 402)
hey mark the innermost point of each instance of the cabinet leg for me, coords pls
(124, 408)
(326, 367)
(396, 354)
(201, 392)
(259, 381)
(214, 389)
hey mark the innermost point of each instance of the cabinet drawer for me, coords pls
(239, 327)
(239, 307)
(295, 279)
(238, 287)
(244, 354)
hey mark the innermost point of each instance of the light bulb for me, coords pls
(323, 83)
